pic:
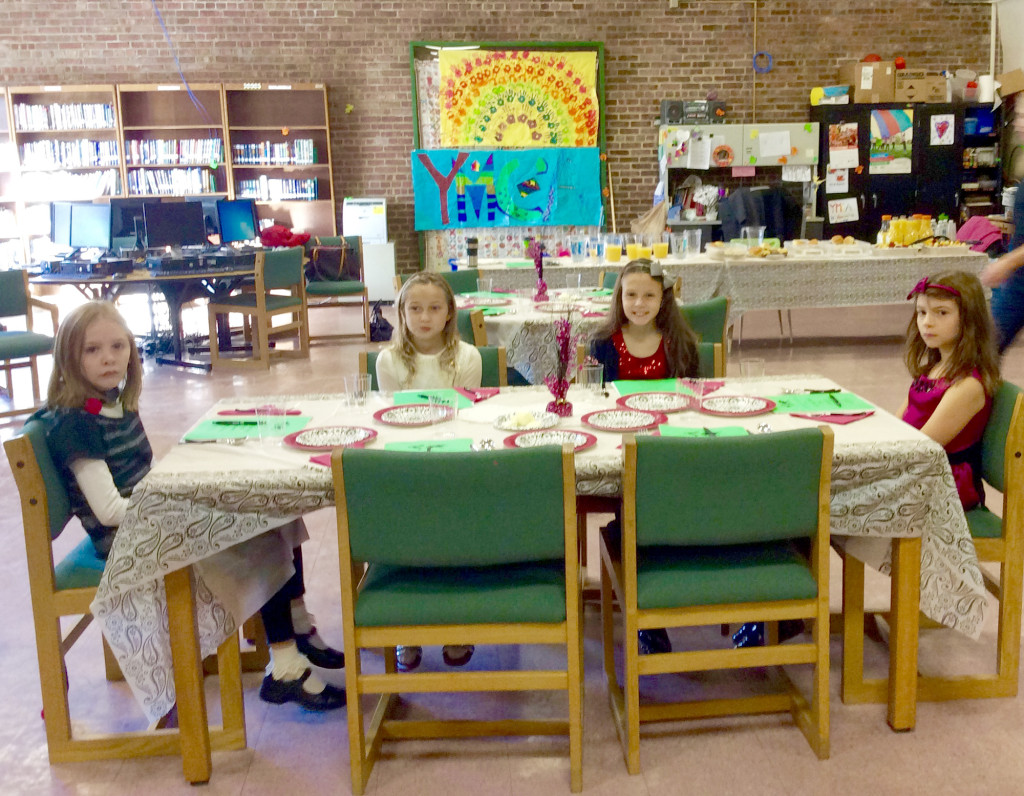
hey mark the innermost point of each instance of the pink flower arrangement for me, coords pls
(536, 251)
(566, 341)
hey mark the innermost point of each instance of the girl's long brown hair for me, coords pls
(68, 385)
(678, 338)
(976, 347)
(403, 347)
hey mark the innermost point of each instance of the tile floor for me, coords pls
(962, 747)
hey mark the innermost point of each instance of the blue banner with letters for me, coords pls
(455, 188)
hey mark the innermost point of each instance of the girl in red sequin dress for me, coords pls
(952, 356)
(645, 336)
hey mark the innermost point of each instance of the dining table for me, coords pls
(199, 540)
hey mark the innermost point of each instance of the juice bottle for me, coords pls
(884, 234)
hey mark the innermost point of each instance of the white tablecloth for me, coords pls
(888, 480)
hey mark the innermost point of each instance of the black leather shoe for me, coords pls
(324, 658)
(278, 692)
(653, 642)
(457, 660)
(749, 635)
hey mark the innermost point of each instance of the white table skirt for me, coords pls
(888, 480)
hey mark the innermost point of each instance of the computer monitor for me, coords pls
(60, 224)
(90, 226)
(238, 220)
(174, 224)
(126, 218)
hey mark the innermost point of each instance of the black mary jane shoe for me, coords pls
(749, 635)
(654, 641)
(326, 658)
(278, 692)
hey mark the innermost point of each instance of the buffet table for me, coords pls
(207, 512)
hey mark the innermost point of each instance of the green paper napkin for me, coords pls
(816, 403)
(432, 445)
(631, 387)
(519, 263)
(240, 427)
(682, 431)
(424, 396)
(495, 310)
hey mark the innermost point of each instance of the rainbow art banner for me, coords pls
(518, 98)
(500, 188)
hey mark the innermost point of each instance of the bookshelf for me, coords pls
(173, 140)
(11, 245)
(279, 152)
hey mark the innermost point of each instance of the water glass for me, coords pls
(578, 248)
(692, 242)
(573, 283)
(752, 367)
(357, 388)
(591, 377)
(753, 235)
(271, 422)
(678, 240)
(484, 285)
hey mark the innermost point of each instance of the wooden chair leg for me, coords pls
(110, 665)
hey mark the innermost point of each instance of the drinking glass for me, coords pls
(692, 242)
(272, 422)
(632, 245)
(660, 248)
(357, 387)
(613, 247)
(578, 248)
(752, 367)
(678, 244)
(484, 285)
(753, 235)
(591, 377)
(595, 247)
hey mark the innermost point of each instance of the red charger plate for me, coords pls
(294, 439)
(616, 420)
(551, 436)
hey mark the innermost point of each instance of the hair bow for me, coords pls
(924, 284)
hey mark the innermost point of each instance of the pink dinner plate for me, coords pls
(325, 438)
(473, 303)
(551, 436)
(623, 419)
(736, 406)
(665, 402)
(412, 415)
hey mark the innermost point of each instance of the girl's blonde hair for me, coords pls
(68, 385)
(975, 349)
(678, 338)
(403, 345)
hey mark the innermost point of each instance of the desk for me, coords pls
(177, 289)
(891, 487)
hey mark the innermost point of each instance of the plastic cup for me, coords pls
(752, 367)
(632, 251)
(484, 285)
(272, 423)
(644, 252)
(595, 247)
(613, 247)
(691, 242)
(357, 388)
(578, 248)
(678, 240)
(753, 235)
(591, 377)
(660, 250)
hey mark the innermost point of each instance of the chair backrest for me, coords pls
(39, 481)
(455, 509)
(353, 253)
(728, 490)
(493, 361)
(471, 327)
(606, 279)
(1004, 430)
(462, 281)
(711, 363)
(368, 365)
(13, 293)
(708, 318)
(282, 268)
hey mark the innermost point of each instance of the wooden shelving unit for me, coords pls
(279, 150)
(11, 244)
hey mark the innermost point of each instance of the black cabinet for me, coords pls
(911, 158)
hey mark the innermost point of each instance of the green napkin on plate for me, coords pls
(432, 445)
(424, 396)
(684, 431)
(496, 310)
(240, 427)
(519, 263)
(816, 403)
(631, 387)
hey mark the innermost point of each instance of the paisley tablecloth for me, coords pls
(212, 506)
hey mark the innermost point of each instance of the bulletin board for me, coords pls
(508, 143)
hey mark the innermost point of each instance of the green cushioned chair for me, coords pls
(279, 291)
(607, 279)
(21, 348)
(450, 557)
(708, 319)
(998, 539)
(711, 358)
(720, 530)
(338, 293)
(66, 588)
(471, 327)
(462, 281)
(493, 361)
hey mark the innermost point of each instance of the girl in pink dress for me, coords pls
(952, 356)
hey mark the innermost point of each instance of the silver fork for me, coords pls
(225, 441)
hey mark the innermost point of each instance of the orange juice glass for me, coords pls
(660, 250)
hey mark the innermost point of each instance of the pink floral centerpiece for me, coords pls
(536, 251)
(566, 341)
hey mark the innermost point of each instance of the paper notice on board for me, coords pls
(842, 210)
(837, 180)
(698, 154)
(796, 173)
(942, 129)
(843, 144)
(774, 144)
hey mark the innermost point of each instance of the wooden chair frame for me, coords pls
(30, 362)
(350, 299)
(49, 605)
(1006, 551)
(619, 580)
(365, 743)
(262, 318)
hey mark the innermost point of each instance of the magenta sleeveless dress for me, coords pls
(964, 451)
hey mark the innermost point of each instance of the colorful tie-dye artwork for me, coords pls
(519, 98)
(499, 188)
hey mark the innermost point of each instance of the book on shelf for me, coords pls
(46, 186)
(63, 116)
(268, 189)
(167, 152)
(171, 182)
(298, 152)
(59, 154)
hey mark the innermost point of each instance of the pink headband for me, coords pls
(923, 285)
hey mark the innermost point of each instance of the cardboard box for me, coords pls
(916, 86)
(872, 81)
(1011, 82)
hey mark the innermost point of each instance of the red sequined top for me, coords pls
(631, 367)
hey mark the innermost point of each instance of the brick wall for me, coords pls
(360, 49)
